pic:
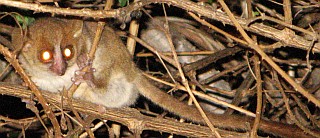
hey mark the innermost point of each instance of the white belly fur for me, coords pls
(120, 93)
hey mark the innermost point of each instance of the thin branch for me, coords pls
(204, 96)
(14, 62)
(185, 81)
(265, 57)
(287, 105)
(270, 32)
(126, 116)
(257, 70)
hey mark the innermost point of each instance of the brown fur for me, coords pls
(116, 73)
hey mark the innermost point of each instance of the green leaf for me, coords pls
(24, 20)
(255, 13)
(123, 2)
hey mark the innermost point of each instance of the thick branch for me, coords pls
(127, 116)
(261, 29)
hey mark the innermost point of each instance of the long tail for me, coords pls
(234, 122)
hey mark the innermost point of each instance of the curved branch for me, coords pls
(127, 116)
(261, 29)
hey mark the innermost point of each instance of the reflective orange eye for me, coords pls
(68, 52)
(46, 56)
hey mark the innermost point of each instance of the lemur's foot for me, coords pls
(84, 76)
